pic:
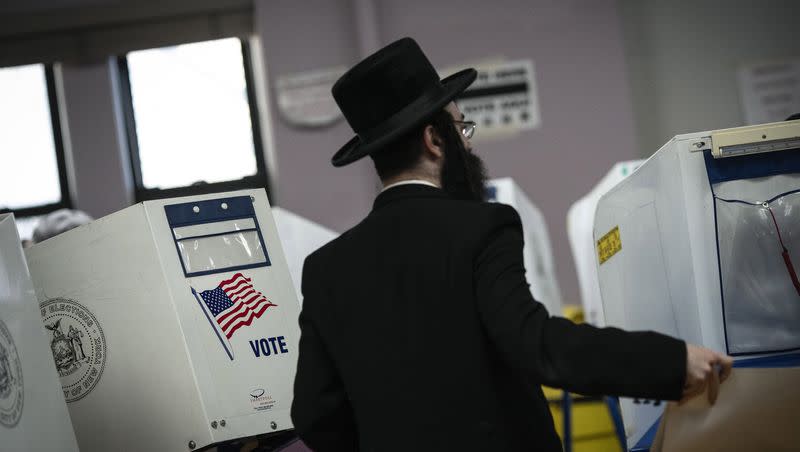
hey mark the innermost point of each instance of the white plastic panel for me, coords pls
(299, 238)
(580, 226)
(33, 413)
(537, 252)
(648, 285)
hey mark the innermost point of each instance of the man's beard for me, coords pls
(463, 172)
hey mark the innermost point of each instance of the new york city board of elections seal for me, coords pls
(78, 345)
(11, 384)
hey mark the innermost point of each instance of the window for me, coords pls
(32, 167)
(192, 120)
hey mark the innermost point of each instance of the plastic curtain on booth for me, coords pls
(759, 253)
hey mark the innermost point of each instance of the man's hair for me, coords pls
(404, 153)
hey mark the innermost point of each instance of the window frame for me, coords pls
(61, 160)
(141, 193)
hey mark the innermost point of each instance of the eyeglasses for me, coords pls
(467, 128)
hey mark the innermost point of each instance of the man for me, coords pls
(419, 331)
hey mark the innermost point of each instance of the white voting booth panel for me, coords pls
(188, 322)
(33, 414)
(537, 254)
(299, 237)
(701, 243)
(580, 230)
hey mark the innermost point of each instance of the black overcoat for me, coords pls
(419, 333)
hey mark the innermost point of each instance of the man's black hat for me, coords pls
(388, 94)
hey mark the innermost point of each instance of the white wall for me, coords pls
(298, 37)
(683, 56)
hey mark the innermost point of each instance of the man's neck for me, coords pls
(409, 182)
(410, 178)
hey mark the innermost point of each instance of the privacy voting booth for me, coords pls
(537, 253)
(173, 323)
(702, 242)
(580, 231)
(33, 414)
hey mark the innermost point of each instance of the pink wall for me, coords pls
(297, 37)
(587, 123)
(576, 46)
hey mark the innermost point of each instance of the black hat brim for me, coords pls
(405, 120)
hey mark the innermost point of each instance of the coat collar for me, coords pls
(407, 191)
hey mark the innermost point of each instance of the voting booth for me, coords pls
(173, 323)
(299, 237)
(702, 242)
(537, 254)
(33, 414)
(580, 231)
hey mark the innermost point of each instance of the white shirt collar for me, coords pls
(409, 182)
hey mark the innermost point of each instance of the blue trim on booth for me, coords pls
(491, 193)
(719, 266)
(211, 211)
(751, 166)
(616, 417)
(784, 360)
(644, 443)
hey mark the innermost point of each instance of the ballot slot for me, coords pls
(217, 236)
(757, 212)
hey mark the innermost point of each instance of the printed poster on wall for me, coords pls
(770, 91)
(504, 98)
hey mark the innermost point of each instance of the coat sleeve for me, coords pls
(556, 352)
(321, 412)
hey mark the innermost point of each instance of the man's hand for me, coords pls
(704, 367)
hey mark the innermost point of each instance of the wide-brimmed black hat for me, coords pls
(388, 94)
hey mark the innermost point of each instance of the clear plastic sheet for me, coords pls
(759, 248)
(219, 252)
(213, 228)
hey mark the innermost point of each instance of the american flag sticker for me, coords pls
(232, 305)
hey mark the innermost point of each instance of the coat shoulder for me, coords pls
(475, 218)
(484, 217)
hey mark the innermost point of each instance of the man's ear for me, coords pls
(433, 143)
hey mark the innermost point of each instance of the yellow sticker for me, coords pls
(609, 245)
